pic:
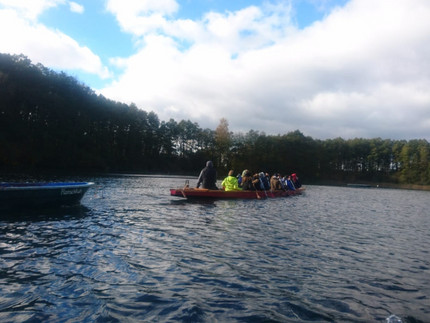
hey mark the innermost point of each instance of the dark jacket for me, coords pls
(247, 184)
(207, 177)
(256, 183)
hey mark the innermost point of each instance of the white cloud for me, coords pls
(76, 7)
(361, 71)
(41, 44)
(30, 9)
(169, 75)
(141, 17)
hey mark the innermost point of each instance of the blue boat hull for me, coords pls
(33, 195)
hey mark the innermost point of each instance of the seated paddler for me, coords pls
(230, 183)
(207, 177)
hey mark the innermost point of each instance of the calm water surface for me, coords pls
(131, 252)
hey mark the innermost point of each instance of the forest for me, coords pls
(51, 122)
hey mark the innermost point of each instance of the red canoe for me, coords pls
(221, 194)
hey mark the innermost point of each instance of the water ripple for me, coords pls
(131, 252)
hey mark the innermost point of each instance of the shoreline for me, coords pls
(8, 175)
(416, 187)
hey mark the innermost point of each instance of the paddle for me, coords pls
(262, 187)
(256, 192)
(265, 192)
(187, 185)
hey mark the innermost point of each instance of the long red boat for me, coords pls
(221, 194)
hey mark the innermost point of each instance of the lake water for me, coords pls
(131, 252)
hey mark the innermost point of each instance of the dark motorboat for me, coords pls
(19, 195)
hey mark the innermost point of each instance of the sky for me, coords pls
(329, 68)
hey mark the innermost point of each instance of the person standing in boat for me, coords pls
(207, 177)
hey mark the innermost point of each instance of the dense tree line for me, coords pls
(50, 121)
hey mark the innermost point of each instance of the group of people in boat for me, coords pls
(247, 181)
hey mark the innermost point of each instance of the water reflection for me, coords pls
(45, 214)
(201, 201)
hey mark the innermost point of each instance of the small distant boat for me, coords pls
(221, 194)
(19, 195)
